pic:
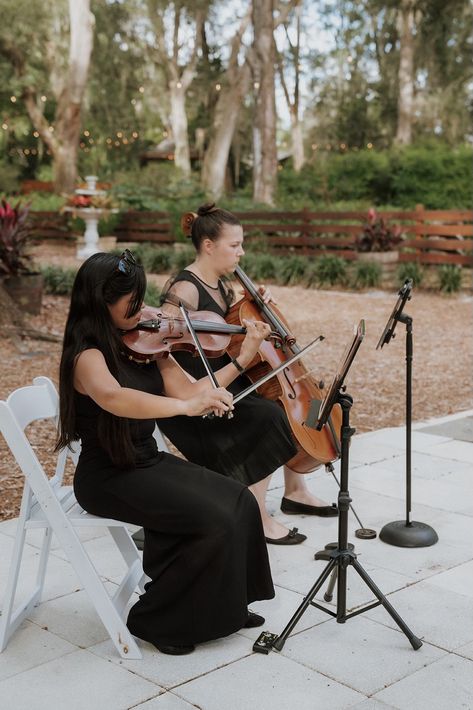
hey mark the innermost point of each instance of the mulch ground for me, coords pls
(442, 363)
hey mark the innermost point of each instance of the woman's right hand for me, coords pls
(219, 401)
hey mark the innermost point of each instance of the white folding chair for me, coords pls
(50, 505)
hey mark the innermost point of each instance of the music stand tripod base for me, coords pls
(408, 534)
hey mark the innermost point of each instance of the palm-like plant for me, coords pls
(14, 233)
(377, 235)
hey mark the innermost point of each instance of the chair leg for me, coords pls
(108, 613)
(11, 618)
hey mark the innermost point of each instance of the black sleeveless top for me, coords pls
(248, 447)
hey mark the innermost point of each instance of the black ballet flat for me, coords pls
(176, 650)
(292, 538)
(292, 507)
(253, 620)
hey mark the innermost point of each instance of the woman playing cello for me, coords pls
(257, 440)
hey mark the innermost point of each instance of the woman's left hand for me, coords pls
(266, 294)
(256, 332)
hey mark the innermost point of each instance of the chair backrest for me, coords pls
(24, 406)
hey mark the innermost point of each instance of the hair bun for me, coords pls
(187, 220)
(207, 209)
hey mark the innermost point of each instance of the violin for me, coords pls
(295, 389)
(158, 334)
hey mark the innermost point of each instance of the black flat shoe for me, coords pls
(292, 538)
(253, 620)
(176, 650)
(292, 507)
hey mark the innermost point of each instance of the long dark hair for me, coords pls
(101, 281)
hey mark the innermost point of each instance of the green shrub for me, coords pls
(261, 267)
(449, 278)
(325, 270)
(155, 260)
(152, 295)
(9, 181)
(182, 258)
(292, 270)
(58, 280)
(367, 274)
(410, 270)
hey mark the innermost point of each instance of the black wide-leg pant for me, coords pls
(204, 544)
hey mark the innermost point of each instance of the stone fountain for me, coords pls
(91, 216)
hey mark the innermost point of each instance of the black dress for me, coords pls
(248, 447)
(204, 546)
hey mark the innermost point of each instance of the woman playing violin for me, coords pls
(204, 547)
(257, 440)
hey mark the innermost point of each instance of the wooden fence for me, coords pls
(429, 236)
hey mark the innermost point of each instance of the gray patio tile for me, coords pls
(448, 683)
(453, 547)
(106, 557)
(31, 646)
(466, 651)
(35, 536)
(169, 701)
(459, 579)
(444, 494)
(359, 653)
(76, 681)
(60, 577)
(456, 450)
(303, 578)
(169, 671)
(420, 441)
(439, 616)
(423, 466)
(287, 557)
(372, 704)
(364, 450)
(279, 610)
(73, 617)
(272, 682)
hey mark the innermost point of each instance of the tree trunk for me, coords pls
(65, 156)
(224, 123)
(406, 74)
(298, 157)
(264, 130)
(179, 128)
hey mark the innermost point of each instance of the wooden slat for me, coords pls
(145, 237)
(445, 244)
(305, 228)
(448, 215)
(430, 258)
(295, 242)
(465, 230)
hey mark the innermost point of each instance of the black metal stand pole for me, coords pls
(408, 533)
(340, 556)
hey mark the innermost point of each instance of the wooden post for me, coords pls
(420, 220)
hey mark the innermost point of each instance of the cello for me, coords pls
(295, 389)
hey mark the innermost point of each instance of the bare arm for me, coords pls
(93, 378)
(181, 292)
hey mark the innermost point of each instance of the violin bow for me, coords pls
(203, 357)
(297, 356)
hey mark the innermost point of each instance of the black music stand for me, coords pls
(405, 533)
(339, 555)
